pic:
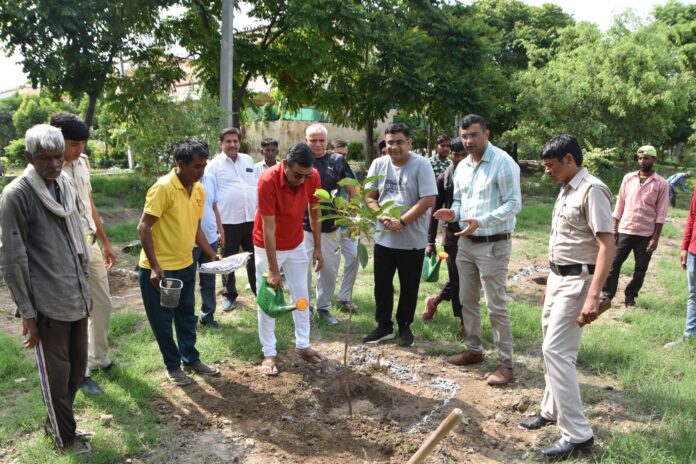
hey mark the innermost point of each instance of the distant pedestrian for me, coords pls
(487, 198)
(269, 151)
(349, 244)
(44, 260)
(581, 248)
(236, 180)
(168, 229)
(285, 192)
(211, 224)
(674, 181)
(640, 213)
(441, 160)
(445, 198)
(406, 180)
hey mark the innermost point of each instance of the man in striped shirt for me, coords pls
(487, 198)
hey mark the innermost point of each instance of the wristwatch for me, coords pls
(402, 222)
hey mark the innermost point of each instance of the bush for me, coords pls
(355, 151)
(15, 152)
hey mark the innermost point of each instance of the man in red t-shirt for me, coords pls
(285, 190)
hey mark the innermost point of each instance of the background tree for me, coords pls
(70, 47)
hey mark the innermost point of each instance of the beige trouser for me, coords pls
(565, 297)
(98, 328)
(485, 265)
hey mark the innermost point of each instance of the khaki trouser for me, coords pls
(485, 265)
(565, 297)
(98, 328)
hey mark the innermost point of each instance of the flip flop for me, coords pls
(269, 367)
(309, 355)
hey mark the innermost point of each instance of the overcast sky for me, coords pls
(600, 12)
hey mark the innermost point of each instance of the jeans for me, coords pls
(450, 291)
(624, 245)
(409, 264)
(183, 316)
(207, 285)
(690, 330)
(239, 235)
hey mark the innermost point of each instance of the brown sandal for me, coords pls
(269, 366)
(309, 355)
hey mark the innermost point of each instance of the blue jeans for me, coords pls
(183, 316)
(207, 285)
(691, 304)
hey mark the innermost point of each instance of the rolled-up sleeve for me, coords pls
(14, 262)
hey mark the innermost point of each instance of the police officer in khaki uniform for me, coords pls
(75, 132)
(581, 250)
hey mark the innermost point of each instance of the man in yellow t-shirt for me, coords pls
(168, 229)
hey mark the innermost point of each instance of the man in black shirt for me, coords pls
(332, 168)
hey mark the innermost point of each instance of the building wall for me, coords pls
(288, 133)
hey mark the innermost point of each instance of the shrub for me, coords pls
(355, 151)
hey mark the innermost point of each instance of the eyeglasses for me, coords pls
(470, 135)
(299, 176)
(396, 143)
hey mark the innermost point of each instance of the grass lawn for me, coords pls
(659, 384)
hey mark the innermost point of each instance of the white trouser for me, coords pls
(565, 297)
(326, 277)
(294, 265)
(98, 326)
(349, 250)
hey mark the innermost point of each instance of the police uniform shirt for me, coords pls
(582, 210)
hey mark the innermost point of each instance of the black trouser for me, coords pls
(624, 245)
(672, 197)
(62, 362)
(237, 235)
(408, 264)
(450, 291)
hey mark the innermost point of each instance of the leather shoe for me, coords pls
(500, 376)
(89, 386)
(563, 449)
(465, 358)
(536, 422)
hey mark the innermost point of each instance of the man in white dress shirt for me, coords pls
(236, 183)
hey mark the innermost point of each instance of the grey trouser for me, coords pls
(485, 265)
(326, 277)
(565, 297)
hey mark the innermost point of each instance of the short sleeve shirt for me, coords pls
(174, 233)
(209, 223)
(405, 185)
(332, 167)
(78, 170)
(582, 210)
(438, 165)
(277, 198)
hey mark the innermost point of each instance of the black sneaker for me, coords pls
(630, 302)
(212, 324)
(379, 334)
(405, 336)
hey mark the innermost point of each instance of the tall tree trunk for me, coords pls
(369, 144)
(91, 107)
(429, 139)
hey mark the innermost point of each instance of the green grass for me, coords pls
(122, 231)
(116, 190)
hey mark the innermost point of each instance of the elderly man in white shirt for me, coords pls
(236, 184)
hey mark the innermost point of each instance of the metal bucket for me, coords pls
(170, 292)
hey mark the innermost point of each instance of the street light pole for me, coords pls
(226, 68)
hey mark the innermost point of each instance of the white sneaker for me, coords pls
(228, 305)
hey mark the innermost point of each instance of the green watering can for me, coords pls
(272, 301)
(431, 266)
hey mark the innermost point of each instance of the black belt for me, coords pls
(570, 269)
(488, 238)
